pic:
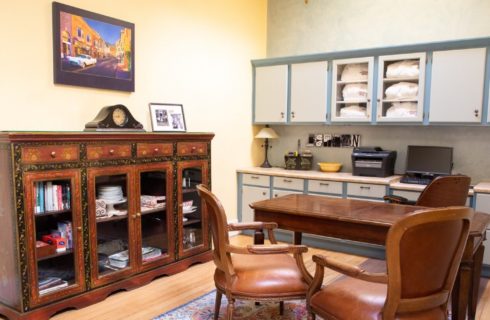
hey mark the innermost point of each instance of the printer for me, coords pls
(373, 162)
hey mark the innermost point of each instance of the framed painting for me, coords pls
(167, 117)
(92, 50)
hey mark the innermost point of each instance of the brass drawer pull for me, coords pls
(155, 150)
(287, 180)
(363, 187)
(254, 177)
(111, 152)
(53, 154)
(324, 184)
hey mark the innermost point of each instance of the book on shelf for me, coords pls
(150, 253)
(51, 284)
(119, 259)
(52, 196)
(65, 230)
(152, 201)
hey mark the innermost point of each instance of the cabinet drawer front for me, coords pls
(289, 183)
(325, 186)
(104, 152)
(192, 148)
(54, 153)
(366, 190)
(153, 149)
(410, 195)
(256, 180)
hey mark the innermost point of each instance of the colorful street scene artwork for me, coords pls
(94, 47)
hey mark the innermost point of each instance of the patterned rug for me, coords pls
(202, 308)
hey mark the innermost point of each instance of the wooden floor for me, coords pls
(166, 293)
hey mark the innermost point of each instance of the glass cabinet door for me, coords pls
(193, 233)
(54, 232)
(155, 237)
(111, 222)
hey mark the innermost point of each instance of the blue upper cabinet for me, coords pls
(400, 94)
(432, 83)
(271, 94)
(352, 90)
(309, 84)
(457, 86)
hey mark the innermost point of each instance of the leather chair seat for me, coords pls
(274, 275)
(349, 298)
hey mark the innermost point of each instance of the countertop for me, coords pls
(392, 181)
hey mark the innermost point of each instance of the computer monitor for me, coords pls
(427, 160)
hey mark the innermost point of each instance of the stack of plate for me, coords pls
(111, 193)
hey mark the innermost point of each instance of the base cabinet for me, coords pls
(86, 214)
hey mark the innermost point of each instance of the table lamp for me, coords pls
(266, 133)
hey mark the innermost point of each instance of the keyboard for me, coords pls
(415, 180)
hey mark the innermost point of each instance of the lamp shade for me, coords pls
(267, 133)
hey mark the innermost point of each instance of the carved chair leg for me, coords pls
(281, 308)
(229, 309)
(217, 304)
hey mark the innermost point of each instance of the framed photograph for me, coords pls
(167, 117)
(92, 50)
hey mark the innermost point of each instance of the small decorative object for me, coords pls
(167, 117)
(330, 166)
(295, 161)
(333, 140)
(100, 208)
(114, 118)
(266, 133)
(92, 50)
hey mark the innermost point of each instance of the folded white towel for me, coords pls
(353, 111)
(354, 92)
(405, 68)
(355, 72)
(402, 90)
(402, 110)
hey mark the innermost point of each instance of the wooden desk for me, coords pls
(369, 222)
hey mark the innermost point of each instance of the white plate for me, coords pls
(189, 209)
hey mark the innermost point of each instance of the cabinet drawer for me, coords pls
(54, 153)
(153, 150)
(288, 183)
(104, 152)
(192, 148)
(366, 190)
(256, 180)
(334, 187)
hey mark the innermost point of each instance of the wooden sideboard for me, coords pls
(85, 214)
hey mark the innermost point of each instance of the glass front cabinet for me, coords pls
(54, 229)
(83, 215)
(192, 218)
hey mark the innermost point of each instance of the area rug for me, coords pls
(202, 308)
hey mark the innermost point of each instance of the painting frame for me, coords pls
(167, 117)
(86, 52)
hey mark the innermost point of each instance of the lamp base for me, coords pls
(266, 164)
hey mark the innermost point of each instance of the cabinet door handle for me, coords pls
(111, 152)
(138, 214)
(264, 193)
(193, 149)
(364, 187)
(276, 195)
(282, 115)
(53, 154)
(476, 113)
(324, 184)
(292, 114)
(287, 180)
(79, 228)
(254, 177)
(155, 150)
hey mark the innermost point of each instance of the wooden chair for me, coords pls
(443, 191)
(423, 253)
(255, 272)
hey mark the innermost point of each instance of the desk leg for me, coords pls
(461, 292)
(259, 237)
(475, 285)
(297, 237)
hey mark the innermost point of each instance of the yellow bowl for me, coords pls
(330, 166)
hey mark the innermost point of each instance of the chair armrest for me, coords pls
(398, 200)
(350, 270)
(251, 226)
(277, 248)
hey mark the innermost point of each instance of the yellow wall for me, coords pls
(192, 52)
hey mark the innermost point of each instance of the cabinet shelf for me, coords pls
(411, 79)
(351, 101)
(351, 81)
(189, 190)
(191, 221)
(151, 210)
(55, 255)
(401, 100)
(51, 213)
(113, 218)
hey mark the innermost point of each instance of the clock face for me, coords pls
(119, 117)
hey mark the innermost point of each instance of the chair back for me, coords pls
(445, 191)
(219, 230)
(423, 253)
